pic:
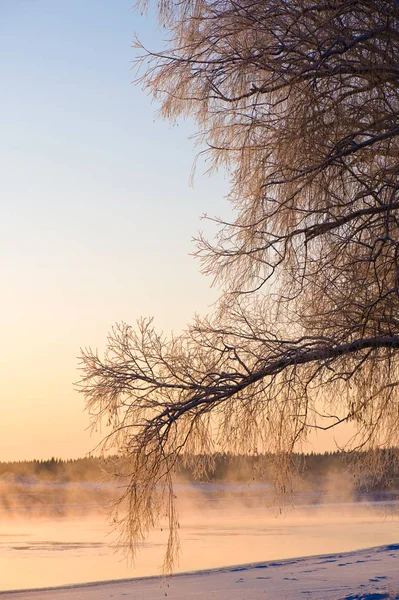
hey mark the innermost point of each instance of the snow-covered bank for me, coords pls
(371, 574)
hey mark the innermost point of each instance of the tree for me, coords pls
(299, 101)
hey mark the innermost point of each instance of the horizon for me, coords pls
(89, 179)
(200, 255)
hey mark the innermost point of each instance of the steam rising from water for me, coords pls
(56, 533)
(29, 497)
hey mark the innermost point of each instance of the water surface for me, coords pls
(220, 525)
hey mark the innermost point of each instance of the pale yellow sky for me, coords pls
(97, 212)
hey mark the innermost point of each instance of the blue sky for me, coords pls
(97, 211)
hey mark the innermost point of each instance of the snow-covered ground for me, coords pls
(371, 574)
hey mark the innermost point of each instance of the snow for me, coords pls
(370, 574)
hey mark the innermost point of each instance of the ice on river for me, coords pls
(221, 525)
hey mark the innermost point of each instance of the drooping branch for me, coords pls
(299, 102)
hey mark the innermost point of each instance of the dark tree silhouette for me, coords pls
(299, 101)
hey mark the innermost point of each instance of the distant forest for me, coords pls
(225, 467)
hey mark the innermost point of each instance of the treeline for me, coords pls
(55, 469)
(242, 468)
(378, 470)
(222, 467)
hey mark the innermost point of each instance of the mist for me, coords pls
(57, 532)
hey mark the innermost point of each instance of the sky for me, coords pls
(97, 212)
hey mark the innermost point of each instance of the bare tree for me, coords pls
(299, 101)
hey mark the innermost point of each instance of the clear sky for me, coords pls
(97, 213)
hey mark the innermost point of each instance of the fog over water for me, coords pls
(54, 534)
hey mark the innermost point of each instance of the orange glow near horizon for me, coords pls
(97, 213)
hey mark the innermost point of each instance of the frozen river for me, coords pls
(220, 525)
